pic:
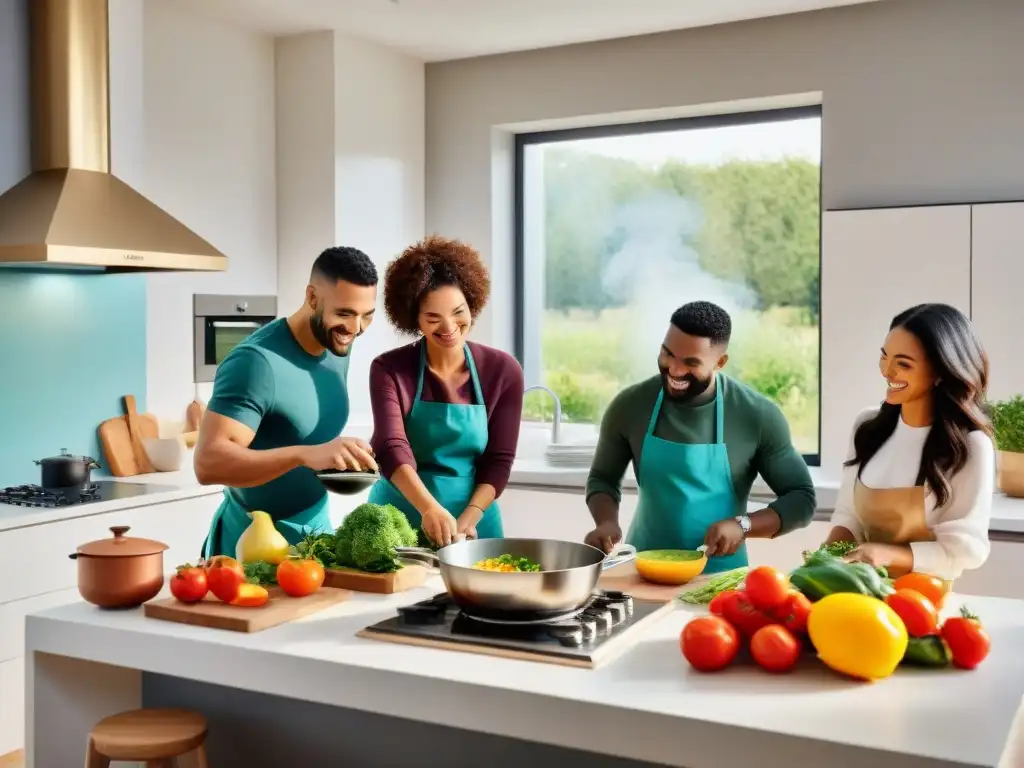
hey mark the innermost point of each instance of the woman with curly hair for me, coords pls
(916, 493)
(446, 411)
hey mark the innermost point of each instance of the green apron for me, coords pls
(684, 488)
(231, 519)
(446, 441)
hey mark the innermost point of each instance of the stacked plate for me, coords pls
(570, 455)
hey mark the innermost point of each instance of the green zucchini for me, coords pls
(929, 651)
(825, 575)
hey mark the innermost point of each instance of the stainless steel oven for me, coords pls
(221, 322)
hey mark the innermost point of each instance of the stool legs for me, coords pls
(201, 757)
(93, 759)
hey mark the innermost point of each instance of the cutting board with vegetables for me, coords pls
(211, 612)
(409, 577)
(624, 578)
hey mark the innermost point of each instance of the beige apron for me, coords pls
(893, 515)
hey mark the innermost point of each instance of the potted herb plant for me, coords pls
(1008, 422)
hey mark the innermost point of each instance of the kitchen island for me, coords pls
(312, 693)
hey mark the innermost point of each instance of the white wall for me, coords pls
(880, 262)
(350, 154)
(207, 157)
(917, 110)
(379, 158)
(304, 72)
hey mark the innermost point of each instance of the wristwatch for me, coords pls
(744, 522)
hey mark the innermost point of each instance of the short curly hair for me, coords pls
(705, 320)
(430, 264)
(344, 263)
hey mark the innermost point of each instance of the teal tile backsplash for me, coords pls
(70, 347)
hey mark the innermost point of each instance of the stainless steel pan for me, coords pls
(567, 579)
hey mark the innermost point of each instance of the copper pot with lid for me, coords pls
(122, 572)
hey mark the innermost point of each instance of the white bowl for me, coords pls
(166, 454)
(171, 428)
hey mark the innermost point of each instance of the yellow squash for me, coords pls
(261, 541)
(857, 635)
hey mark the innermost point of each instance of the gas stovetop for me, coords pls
(98, 490)
(608, 625)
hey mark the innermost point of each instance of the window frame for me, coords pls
(523, 140)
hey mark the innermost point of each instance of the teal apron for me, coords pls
(231, 519)
(446, 441)
(684, 488)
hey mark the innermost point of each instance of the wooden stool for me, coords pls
(153, 736)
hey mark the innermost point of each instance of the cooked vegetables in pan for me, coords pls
(506, 563)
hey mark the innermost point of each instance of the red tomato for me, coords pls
(967, 639)
(224, 575)
(188, 584)
(250, 596)
(917, 612)
(718, 602)
(774, 648)
(299, 578)
(739, 612)
(794, 612)
(709, 643)
(767, 587)
(929, 586)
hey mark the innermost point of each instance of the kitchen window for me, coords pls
(617, 226)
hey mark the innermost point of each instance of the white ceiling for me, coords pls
(437, 30)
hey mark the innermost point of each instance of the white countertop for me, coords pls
(1007, 513)
(167, 486)
(647, 705)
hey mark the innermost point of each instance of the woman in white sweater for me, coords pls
(916, 493)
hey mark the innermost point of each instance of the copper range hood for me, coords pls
(70, 212)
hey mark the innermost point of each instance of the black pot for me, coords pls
(65, 471)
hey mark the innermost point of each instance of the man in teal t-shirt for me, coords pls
(280, 402)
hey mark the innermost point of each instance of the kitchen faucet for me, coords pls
(558, 410)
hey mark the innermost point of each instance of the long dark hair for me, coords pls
(961, 367)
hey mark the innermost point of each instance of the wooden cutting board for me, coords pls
(116, 439)
(136, 432)
(624, 578)
(409, 577)
(211, 612)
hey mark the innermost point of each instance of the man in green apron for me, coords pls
(696, 440)
(279, 404)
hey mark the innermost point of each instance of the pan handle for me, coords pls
(623, 554)
(419, 556)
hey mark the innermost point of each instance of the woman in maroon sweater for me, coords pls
(446, 412)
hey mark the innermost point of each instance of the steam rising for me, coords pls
(657, 269)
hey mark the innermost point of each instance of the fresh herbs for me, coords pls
(835, 549)
(318, 546)
(260, 572)
(720, 582)
(1008, 424)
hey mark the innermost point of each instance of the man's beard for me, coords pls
(325, 337)
(696, 386)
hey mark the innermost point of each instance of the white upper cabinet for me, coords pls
(997, 280)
